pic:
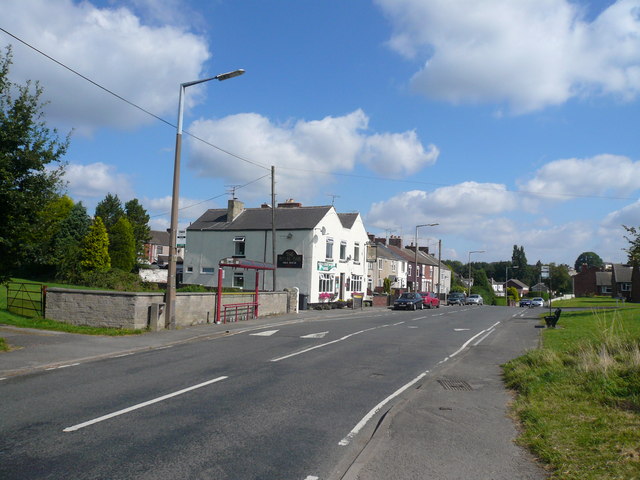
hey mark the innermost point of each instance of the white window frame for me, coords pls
(238, 280)
(380, 264)
(326, 282)
(207, 270)
(343, 251)
(329, 249)
(356, 253)
(356, 283)
(240, 246)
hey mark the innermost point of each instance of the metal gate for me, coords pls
(26, 299)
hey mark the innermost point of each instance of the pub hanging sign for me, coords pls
(289, 259)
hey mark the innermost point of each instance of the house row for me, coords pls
(405, 268)
(615, 280)
(327, 255)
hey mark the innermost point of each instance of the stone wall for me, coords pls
(129, 310)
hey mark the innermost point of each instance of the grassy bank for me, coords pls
(579, 395)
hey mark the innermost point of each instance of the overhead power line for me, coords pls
(129, 102)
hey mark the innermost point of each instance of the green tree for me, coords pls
(30, 167)
(560, 279)
(50, 220)
(67, 243)
(386, 285)
(94, 255)
(109, 210)
(122, 245)
(482, 286)
(139, 220)
(633, 251)
(591, 259)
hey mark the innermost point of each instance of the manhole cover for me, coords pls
(454, 384)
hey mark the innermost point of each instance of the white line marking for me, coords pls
(311, 477)
(483, 337)
(123, 355)
(464, 345)
(268, 333)
(162, 348)
(461, 329)
(346, 440)
(141, 405)
(399, 323)
(412, 326)
(3, 378)
(325, 344)
(315, 335)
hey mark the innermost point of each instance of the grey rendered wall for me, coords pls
(138, 310)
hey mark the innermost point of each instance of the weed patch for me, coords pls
(579, 396)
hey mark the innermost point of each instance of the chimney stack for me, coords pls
(234, 208)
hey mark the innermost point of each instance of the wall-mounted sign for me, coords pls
(289, 259)
(326, 266)
(181, 239)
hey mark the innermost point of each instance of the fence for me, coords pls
(26, 299)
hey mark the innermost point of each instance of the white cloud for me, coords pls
(301, 149)
(457, 208)
(111, 46)
(599, 175)
(96, 180)
(529, 53)
(629, 216)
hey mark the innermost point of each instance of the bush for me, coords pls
(115, 279)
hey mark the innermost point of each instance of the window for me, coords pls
(326, 282)
(189, 269)
(343, 250)
(207, 270)
(356, 283)
(238, 280)
(239, 243)
(370, 265)
(394, 266)
(356, 252)
(329, 253)
(625, 287)
(160, 250)
(380, 264)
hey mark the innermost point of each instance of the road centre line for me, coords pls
(472, 339)
(485, 336)
(141, 405)
(346, 440)
(326, 344)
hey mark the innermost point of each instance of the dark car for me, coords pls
(408, 301)
(456, 298)
(430, 300)
(525, 302)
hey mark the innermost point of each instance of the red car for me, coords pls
(429, 300)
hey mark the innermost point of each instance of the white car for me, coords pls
(475, 299)
(537, 302)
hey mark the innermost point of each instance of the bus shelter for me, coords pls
(248, 308)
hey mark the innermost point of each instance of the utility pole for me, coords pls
(273, 225)
(439, 263)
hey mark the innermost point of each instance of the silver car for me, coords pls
(475, 299)
(537, 302)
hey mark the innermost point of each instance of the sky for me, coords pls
(506, 122)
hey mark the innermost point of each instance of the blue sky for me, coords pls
(506, 122)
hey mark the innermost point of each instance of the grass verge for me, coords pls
(3, 345)
(579, 395)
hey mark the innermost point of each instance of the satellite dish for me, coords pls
(323, 230)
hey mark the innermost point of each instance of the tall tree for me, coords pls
(591, 259)
(109, 210)
(633, 251)
(122, 245)
(68, 241)
(94, 255)
(30, 166)
(139, 219)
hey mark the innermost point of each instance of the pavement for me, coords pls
(455, 426)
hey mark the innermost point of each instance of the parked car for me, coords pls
(408, 301)
(456, 298)
(525, 302)
(429, 300)
(475, 299)
(537, 302)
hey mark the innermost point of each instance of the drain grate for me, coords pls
(454, 384)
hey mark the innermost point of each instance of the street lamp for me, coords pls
(170, 297)
(506, 279)
(472, 251)
(415, 273)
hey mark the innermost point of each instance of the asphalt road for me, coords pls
(289, 402)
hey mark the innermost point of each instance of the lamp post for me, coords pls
(472, 251)
(170, 296)
(506, 279)
(415, 273)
